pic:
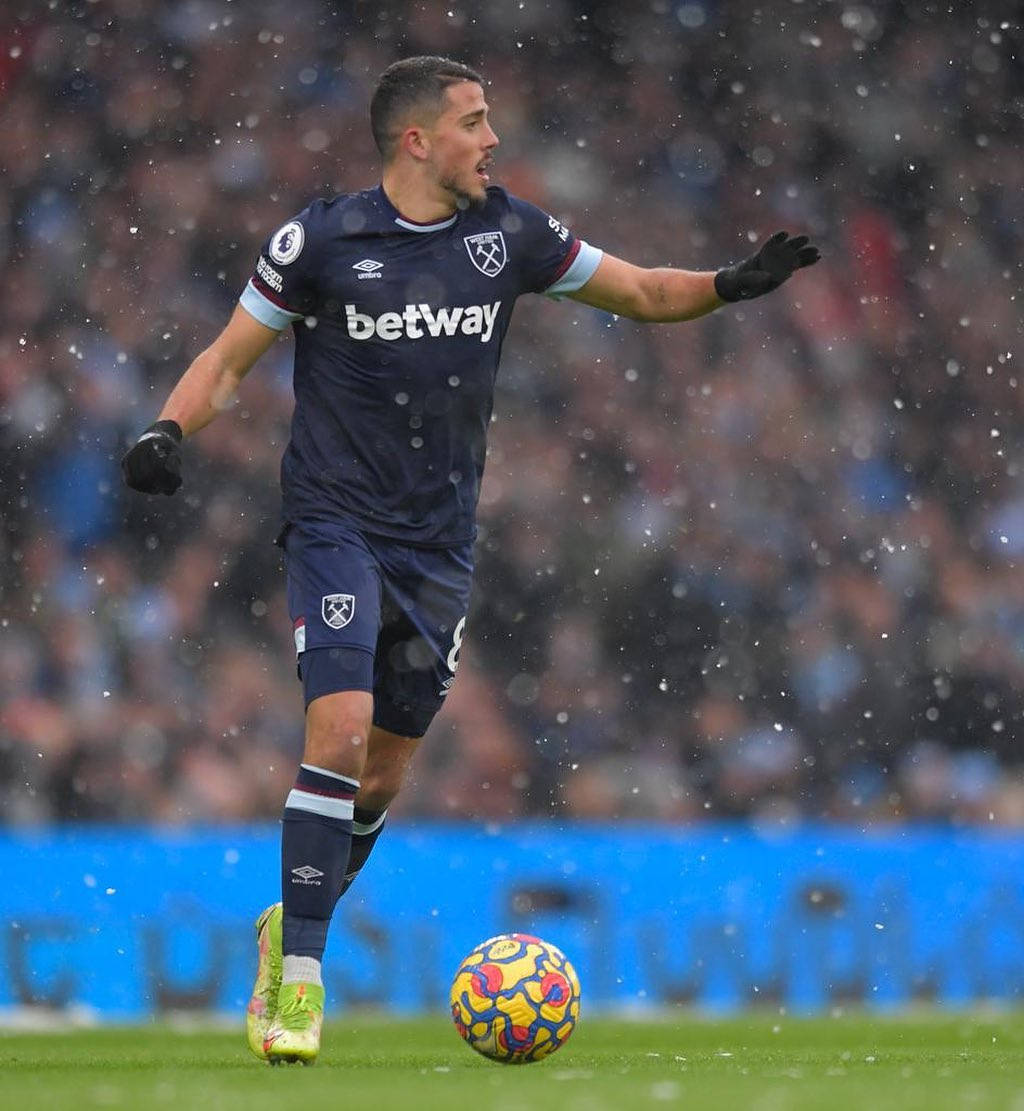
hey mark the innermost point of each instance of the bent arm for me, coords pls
(206, 388)
(653, 295)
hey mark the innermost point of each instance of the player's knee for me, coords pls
(337, 729)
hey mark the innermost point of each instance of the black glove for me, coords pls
(774, 262)
(153, 464)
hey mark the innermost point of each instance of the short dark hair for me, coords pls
(409, 83)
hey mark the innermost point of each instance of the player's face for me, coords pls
(461, 142)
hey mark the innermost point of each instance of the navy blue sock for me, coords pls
(366, 828)
(316, 836)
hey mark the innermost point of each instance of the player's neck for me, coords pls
(415, 200)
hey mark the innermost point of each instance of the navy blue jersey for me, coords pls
(398, 331)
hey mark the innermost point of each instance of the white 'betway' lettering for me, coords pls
(471, 320)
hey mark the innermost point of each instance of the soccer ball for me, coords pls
(515, 999)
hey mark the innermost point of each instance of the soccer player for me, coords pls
(399, 298)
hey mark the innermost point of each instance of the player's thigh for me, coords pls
(425, 596)
(387, 762)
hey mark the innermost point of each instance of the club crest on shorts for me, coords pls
(338, 609)
(487, 252)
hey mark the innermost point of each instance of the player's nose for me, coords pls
(491, 140)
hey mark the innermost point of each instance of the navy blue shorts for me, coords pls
(373, 614)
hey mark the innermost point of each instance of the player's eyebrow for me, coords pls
(473, 115)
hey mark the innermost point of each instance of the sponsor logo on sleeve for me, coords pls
(269, 274)
(286, 244)
(559, 229)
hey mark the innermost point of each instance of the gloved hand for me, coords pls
(775, 261)
(153, 463)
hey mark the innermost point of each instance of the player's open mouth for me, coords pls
(483, 167)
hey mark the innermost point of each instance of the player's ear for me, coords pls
(415, 142)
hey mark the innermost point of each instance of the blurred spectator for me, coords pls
(765, 564)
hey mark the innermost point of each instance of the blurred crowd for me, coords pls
(766, 564)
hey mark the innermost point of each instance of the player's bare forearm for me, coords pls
(209, 384)
(676, 295)
(203, 391)
(152, 465)
(665, 294)
(662, 294)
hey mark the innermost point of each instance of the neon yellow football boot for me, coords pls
(294, 1035)
(262, 1007)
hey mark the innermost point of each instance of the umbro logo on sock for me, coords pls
(307, 874)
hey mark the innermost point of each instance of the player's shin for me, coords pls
(367, 826)
(316, 839)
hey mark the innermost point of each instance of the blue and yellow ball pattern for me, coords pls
(515, 999)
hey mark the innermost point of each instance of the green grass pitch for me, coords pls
(763, 1063)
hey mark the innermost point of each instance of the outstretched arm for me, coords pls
(153, 464)
(206, 388)
(660, 294)
(663, 294)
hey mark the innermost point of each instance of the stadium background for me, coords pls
(763, 567)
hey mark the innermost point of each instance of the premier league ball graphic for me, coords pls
(515, 999)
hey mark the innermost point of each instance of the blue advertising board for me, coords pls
(135, 923)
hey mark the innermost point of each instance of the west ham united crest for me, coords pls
(487, 252)
(338, 609)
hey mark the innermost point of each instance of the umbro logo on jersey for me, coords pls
(421, 321)
(369, 268)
